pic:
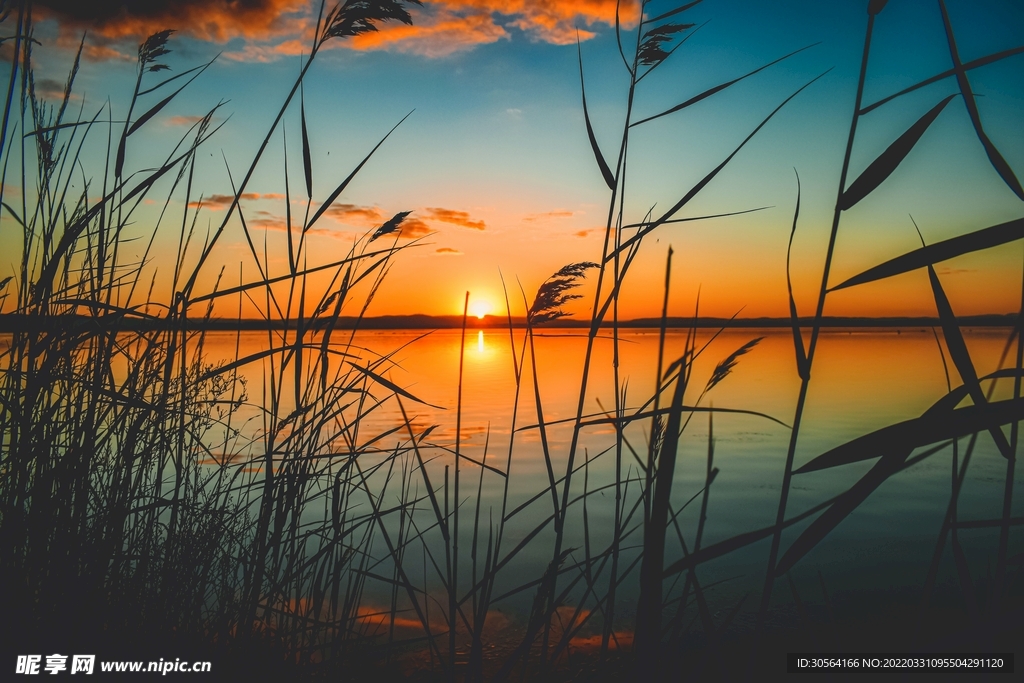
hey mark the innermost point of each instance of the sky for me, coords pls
(495, 165)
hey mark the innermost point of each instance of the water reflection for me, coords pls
(863, 380)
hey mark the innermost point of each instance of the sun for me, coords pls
(479, 308)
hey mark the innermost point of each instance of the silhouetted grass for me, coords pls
(150, 498)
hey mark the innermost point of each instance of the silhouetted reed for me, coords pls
(150, 495)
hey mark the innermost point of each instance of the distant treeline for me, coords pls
(14, 322)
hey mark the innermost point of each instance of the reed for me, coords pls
(118, 494)
(165, 498)
(894, 451)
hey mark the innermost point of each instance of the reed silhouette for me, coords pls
(151, 501)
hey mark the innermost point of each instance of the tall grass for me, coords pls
(894, 450)
(150, 495)
(134, 489)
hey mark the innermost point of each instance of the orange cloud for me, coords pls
(373, 217)
(214, 20)
(263, 53)
(106, 53)
(437, 36)
(265, 220)
(555, 21)
(447, 26)
(455, 217)
(548, 215)
(116, 28)
(181, 120)
(272, 28)
(219, 202)
(414, 227)
(448, 251)
(354, 214)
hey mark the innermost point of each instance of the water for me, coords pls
(862, 381)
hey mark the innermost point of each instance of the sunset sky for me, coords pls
(495, 164)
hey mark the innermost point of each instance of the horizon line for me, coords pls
(16, 322)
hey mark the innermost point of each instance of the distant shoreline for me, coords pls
(15, 323)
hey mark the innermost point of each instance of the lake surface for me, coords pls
(862, 380)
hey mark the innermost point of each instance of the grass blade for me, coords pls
(391, 386)
(882, 167)
(798, 341)
(932, 427)
(606, 172)
(643, 232)
(718, 88)
(307, 164)
(649, 605)
(986, 238)
(973, 64)
(994, 157)
(341, 188)
(672, 12)
(953, 398)
(838, 511)
(962, 358)
(155, 109)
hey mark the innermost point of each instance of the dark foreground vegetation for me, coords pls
(141, 514)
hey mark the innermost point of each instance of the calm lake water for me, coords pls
(862, 380)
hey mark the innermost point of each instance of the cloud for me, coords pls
(555, 21)
(219, 202)
(356, 215)
(373, 217)
(106, 53)
(264, 220)
(548, 215)
(49, 88)
(448, 251)
(181, 120)
(273, 28)
(263, 53)
(213, 20)
(588, 232)
(436, 36)
(446, 26)
(349, 214)
(115, 29)
(413, 227)
(455, 217)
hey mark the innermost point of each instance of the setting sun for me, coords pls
(479, 307)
